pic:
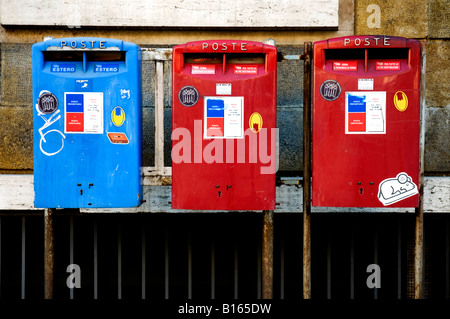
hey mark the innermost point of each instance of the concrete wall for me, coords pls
(424, 20)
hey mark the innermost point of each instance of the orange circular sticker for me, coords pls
(401, 101)
(256, 122)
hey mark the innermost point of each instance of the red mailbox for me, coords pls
(366, 118)
(224, 125)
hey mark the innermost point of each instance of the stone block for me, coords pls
(437, 140)
(439, 18)
(437, 73)
(403, 18)
(16, 138)
(16, 84)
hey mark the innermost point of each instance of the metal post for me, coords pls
(189, 266)
(0, 257)
(95, 259)
(352, 264)
(236, 270)
(48, 253)
(418, 248)
(71, 252)
(418, 253)
(267, 255)
(159, 116)
(22, 290)
(144, 263)
(119, 262)
(282, 258)
(166, 265)
(329, 266)
(399, 260)
(375, 257)
(447, 261)
(306, 171)
(213, 269)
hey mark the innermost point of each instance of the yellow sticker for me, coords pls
(400, 101)
(118, 116)
(256, 122)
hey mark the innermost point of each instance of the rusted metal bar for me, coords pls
(0, 256)
(143, 263)
(267, 255)
(419, 245)
(213, 269)
(166, 265)
(399, 260)
(307, 171)
(159, 116)
(236, 270)
(119, 262)
(329, 266)
(22, 286)
(49, 254)
(189, 265)
(95, 259)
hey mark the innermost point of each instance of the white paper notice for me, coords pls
(233, 117)
(376, 113)
(93, 113)
(365, 84)
(223, 88)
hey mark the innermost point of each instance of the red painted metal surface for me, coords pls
(224, 125)
(366, 117)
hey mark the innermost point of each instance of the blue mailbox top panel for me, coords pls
(87, 123)
(84, 43)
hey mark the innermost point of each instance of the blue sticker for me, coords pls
(215, 108)
(63, 67)
(74, 102)
(83, 85)
(106, 68)
(356, 103)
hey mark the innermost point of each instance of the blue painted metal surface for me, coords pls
(87, 123)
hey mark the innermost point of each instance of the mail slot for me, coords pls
(87, 123)
(224, 125)
(366, 115)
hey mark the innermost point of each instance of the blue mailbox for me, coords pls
(87, 123)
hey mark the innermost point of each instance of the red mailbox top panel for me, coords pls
(224, 46)
(372, 41)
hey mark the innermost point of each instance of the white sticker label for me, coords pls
(392, 190)
(93, 113)
(223, 88)
(365, 84)
(203, 69)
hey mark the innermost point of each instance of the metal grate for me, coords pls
(218, 256)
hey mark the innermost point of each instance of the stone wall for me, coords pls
(423, 20)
